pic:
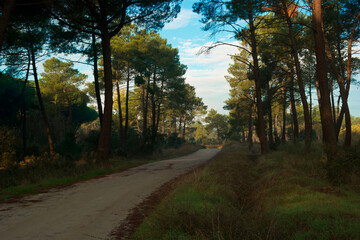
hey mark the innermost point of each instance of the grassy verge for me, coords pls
(283, 195)
(41, 177)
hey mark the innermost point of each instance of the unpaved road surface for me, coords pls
(91, 209)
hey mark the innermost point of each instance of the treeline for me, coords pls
(287, 51)
(139, 88)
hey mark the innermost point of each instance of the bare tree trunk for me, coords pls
(270, 132)
(180, 125)
(276, 125)
(250, 126)
(293, 110)
(41, 104)
(96, 78)
(184, 126)
(283, 132)
(105, 133)
(294, 53)
(261, 123)
(145, 111)
(170, 126)
(326, 118)
(332, 99)
(23, 106)
(153, 108)
(127, 104)
(121, 130)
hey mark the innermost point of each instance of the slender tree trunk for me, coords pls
(23, 107)
(184, 126)
(310, 97)
(175, 126)
(41, 104)
(105, 133)
(153, 108)
(270, 131)
(127, 104)
(96, 78)
(159, 104)
(121, 130)
(326, 118)
(261, 123)
(283, 132)
(293, 110)
(332, 99)
(250, 126)
(276, 126)
(145, 111)
(294, 53)
(138, 126)
(4, 18)
(170, 126)
(180, 125)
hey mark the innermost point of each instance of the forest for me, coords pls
(289, 84)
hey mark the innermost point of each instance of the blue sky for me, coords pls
(206, 71)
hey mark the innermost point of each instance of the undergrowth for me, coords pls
(37, 173)
(282, 195)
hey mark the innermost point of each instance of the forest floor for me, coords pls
(241, 195)
(93, 208)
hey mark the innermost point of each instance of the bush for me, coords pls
(7, 147)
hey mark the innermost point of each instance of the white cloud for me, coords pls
(183, 19)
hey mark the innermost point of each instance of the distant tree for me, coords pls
(60, 83)
(217, 122)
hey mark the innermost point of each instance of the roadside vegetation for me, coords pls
(39, 173)
(242, 195)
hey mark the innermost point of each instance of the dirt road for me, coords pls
(94, 208)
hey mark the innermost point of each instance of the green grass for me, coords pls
(42, 178)
(283, 195)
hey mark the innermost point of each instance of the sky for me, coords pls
(206, 71)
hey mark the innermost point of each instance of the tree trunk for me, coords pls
(41, 104)
(170, 126)
(96, 78)
(276, 126)
(250, 126)
(145, 111)
(127, 104)
(310, 106)
(293, 110)
(105, 133)
(4, 18)
(261, 123)
(121, 130)
(184, 126)
(23, 107)
(283, 132)
(343, 95)
(326, 119)
(294, 53)
(153, 108)
(159, 104)
(332, 99)
(270, 131)
(180, 125)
